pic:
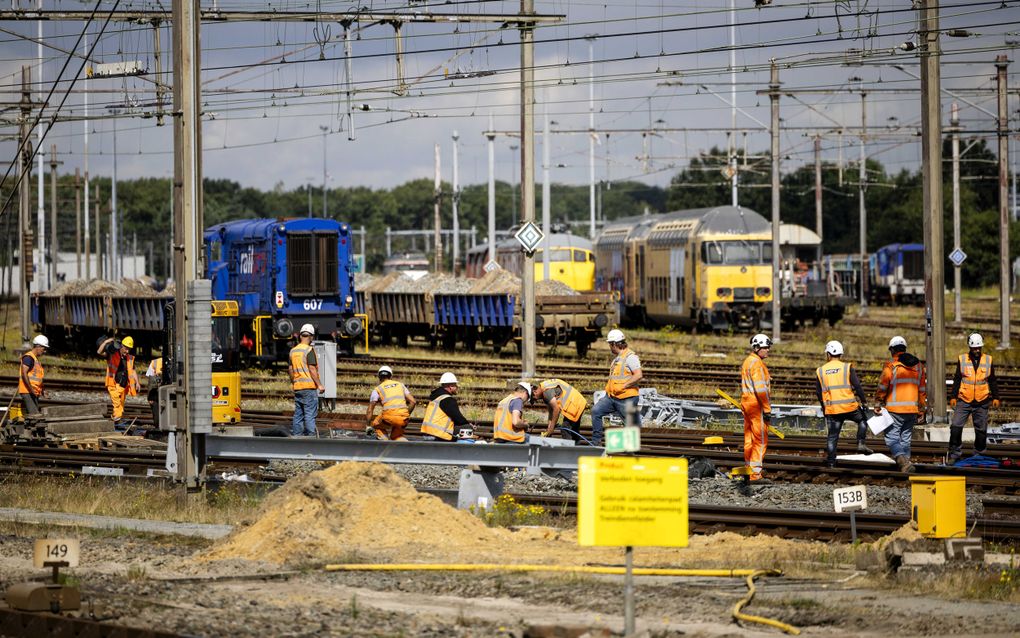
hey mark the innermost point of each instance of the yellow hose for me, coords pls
(790, 629)
(578, 569)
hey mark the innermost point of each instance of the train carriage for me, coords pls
(571, 260)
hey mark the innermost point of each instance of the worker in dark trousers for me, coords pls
(902, 391)
(443, 420)
(30, 375)
(842, 397)
(974, 388)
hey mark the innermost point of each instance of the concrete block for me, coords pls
(84, 410)
(921, 559)
(871, 560)
(81, 427)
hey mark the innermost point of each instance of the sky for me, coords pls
(661, 90)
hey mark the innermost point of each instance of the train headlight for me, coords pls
(349, 299)
(723, 292)
(763, 292)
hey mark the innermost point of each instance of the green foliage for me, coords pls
(507, 512)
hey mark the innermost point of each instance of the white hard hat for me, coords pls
(897, 341)
(385, 370)
(761, 341)
(615, 336)
(308, 329)
(973, 341)
(834, 348)
(525, 385)
(448, 378)
(41, 340)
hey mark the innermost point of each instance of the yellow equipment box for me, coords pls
(939, 505)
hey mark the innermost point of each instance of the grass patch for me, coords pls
(231, 504)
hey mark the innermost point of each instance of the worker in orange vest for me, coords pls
(121, 376)
(30, 375)
(443, 420)
(755, 403)
(508, 425)
(842, 397)
(397, 404)
(559, 398)
(304, 376)
(902, 391)
(974, 388)
(622, 394)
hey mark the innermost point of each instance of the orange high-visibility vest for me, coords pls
(35, 377)
(503, 423)
(905, 388)
(391, 395)
(837, 394)
(435, 421)
(755, 384)
(572, 403)
(112, 363)
(618, 375)
(301, 374)
(974, 381)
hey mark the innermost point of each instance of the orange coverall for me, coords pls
(754, 402)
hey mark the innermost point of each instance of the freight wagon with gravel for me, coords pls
(284, 273)
(446, 311)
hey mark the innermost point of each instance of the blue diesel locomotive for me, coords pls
(284, 273)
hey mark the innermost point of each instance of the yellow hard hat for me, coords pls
(127, 342)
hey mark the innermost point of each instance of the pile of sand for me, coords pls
(355, 508)
(496, 282)
(554, 288)
(908, 532)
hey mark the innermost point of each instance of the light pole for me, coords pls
(513, 181)
(325, 131)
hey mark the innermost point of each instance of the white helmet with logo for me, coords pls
(308, 329)
(761, 341)
(385, 370)
(973, 341)
(41, 340)
(897, 341)
(615, 336)
(448, 378)
(834, 348)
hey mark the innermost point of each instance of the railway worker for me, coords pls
(842, 397)
(304, 376)
(559, 398)
(30, 375)
(508, 425)
(154, 374)
(621, 390)
(901, 390)
(755, 403)
(121, 376)
(443, 420)
(974, 388)
(397, 404)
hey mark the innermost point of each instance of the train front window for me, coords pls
(559, 254)
(580, 256)
(225, 345)
(736, 253)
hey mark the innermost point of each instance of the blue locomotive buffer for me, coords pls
(283, 274)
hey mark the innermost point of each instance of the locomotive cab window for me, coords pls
(736, 253)
(580, 257)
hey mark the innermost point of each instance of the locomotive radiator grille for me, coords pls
(312, 264)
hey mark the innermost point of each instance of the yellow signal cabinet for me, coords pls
(939, 505)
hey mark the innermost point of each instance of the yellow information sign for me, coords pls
(632, 501)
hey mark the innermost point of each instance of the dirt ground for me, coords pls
(267, 577)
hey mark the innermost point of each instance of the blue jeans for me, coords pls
(897, 435)
(834, 425)
(607, 406)
(306, 408)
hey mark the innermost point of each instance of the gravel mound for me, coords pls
(554, 288)
(353, 507)
(102, 287)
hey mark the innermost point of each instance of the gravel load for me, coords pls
(102, 287)
(554, 288)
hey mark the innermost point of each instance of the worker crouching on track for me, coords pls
(621, 390)
(443, 419)
(508, 424)
(304, 376)
(30, 375)
(974, 388)
(842, 397)
(121, 376)
(397, 404)
(901, 389)
(559, 398)
(755, 403)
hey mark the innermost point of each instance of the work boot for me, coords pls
(904, 464)
(863, 449)
(953, 458)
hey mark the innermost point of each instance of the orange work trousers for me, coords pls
(756, 439)
(393, 420)
(117, 397)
